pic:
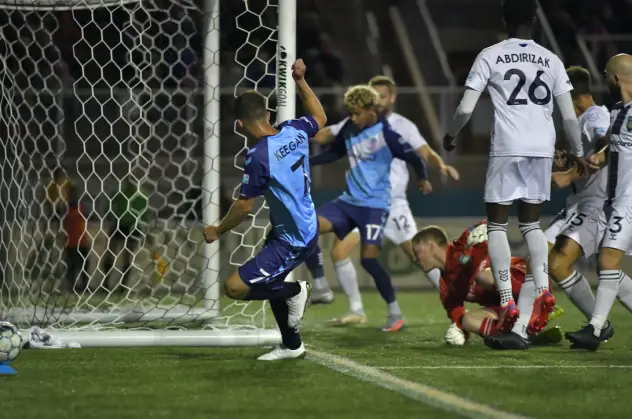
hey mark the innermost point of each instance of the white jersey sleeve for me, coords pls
(335, 128)
(562, 83)
(522, 79)
(399, 170)
(407, 130)
(480, 73)
(595, 123)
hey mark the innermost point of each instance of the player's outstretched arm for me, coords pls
(310, 101)
(335, 152)
(236, 214)
(435, 160)
(571, 128)
(461, 117)
(402, 149)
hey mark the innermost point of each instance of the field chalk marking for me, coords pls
(415, 391)
(497, 367)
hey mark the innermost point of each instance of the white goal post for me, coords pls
(134, 117)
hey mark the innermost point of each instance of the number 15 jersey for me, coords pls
(522, 78)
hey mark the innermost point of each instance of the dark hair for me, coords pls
(519, 12)
(251, 106)
(581, 81)
(431, 233)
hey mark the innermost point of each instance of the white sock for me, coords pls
(393, 309)
(320, 283)
(606, 294)
(500, 258)
(434, 277)
(349, 282)
(625, 292)
(577, 288)
(538, 254)
(525, 306)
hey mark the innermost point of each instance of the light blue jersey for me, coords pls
(371, 151)
(277, 167)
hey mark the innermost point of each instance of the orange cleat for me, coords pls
(542, 307)
(508, 317)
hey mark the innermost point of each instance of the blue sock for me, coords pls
(273, 291)
(381, 278)
(315, 265)
(290, 336)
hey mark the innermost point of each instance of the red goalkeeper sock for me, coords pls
(488, 327)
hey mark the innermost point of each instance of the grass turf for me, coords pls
(228, 382)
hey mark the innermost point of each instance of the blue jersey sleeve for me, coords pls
(403, 151)
(336, 151)
(256, 177)
(307, 124)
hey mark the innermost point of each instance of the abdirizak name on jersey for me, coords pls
(522, 58)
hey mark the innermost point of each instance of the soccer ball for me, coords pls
(10, 342)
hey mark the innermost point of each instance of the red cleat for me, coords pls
(508, 317)
(542, 307)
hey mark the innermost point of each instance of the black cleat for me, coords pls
(584, 338)
(607, 332)
(507, 341)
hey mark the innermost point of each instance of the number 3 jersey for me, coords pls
(522, 78)
(620, 155)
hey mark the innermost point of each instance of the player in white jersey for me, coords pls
(617, 240)
(523, 79)
(400, 226)
(578, 229)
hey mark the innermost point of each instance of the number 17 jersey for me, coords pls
(523, 79)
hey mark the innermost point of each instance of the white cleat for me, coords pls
(297, 304)
(281, 352)
(325, 296)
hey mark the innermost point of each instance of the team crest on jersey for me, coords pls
(629, 124)
(464, 259)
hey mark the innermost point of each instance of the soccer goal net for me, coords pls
(110, 159)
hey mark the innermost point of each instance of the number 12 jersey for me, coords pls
(522, 78)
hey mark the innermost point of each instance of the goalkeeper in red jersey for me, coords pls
(466, 277)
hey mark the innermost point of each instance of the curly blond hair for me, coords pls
(360, 97)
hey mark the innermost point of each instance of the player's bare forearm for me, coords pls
(311, 102)
(324, 136)
(236, 214)
(485, 279)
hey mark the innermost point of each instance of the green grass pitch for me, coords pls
(551, 382)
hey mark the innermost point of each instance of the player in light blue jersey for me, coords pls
(371, 145)
(277, 167)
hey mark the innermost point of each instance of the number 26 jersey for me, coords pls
(523, 79)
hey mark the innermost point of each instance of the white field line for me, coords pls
(416, 391)
(497, 367)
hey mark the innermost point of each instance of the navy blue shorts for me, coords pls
(345, 217)
(275, 261)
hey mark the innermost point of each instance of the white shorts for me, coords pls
(400, 226)
(586, 228)
(511, 178)
(618, 234)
